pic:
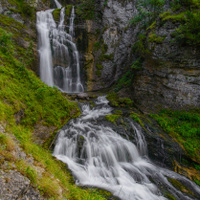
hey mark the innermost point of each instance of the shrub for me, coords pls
(189, 32)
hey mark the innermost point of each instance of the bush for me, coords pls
(86, 9)
(189, 32)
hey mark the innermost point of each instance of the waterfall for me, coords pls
(59, 57)
(100, 157)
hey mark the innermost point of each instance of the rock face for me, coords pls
(109, 43)
(16, 186)
(170, 73)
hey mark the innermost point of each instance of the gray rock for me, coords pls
(16, 186)
(83, 96)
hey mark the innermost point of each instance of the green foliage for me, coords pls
(116, 101)
(5, 42)
(137, 65)
(99, 67)
(197, 182)
(26, 9)
(140, 46)
(127, 79)
(104, 57)
(118, 112)
(97, 46)
(86, 9)
(180, 4)
(189, 32)
(112, 118)
(152, 37)
(148, 11)
(98, 73)
(184, 126)
(68, 10)
(180, 17)
(104, 48)
(136, 118)
(56, 14)
(31, 174)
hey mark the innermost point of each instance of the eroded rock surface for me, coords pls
(16, 186)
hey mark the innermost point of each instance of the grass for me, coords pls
(23, 95)
(184, 127)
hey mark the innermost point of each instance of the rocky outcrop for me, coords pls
(109, 43)
(16, 186)
(171, 73)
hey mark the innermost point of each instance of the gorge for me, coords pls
(135, 130)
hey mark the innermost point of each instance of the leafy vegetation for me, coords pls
(86, 9)
(112, 118)
(127, 79)
(189, 32)
(184, 126)
(148, 10)
(136, 118)
(116, 101)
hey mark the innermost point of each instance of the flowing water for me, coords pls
(59, 57)
(98, 156)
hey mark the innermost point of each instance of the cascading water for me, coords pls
(99, 157)
(60, 64)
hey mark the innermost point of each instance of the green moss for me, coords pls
(87, 9)
(140, 46)
(177, 17)
(104, 48)
(169, 196)
(104, 57)
(99, 67)
(180, 186)
(152, 37)
(188, 32)
(118, 112)
(98, 73)
(136, 118)
(97, 46)
(116, 101)
(112, 118)
(68, 10)
(184, 126)
(56, 14)
(152, 26)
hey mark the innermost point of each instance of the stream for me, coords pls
(99, 157)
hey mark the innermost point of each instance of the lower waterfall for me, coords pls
(99, 157)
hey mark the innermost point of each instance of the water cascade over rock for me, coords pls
(59, 57)
(98, 156)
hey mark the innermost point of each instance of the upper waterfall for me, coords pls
(59, 57)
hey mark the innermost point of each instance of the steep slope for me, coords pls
(30, 114)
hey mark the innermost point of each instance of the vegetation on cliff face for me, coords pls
(184, 127)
